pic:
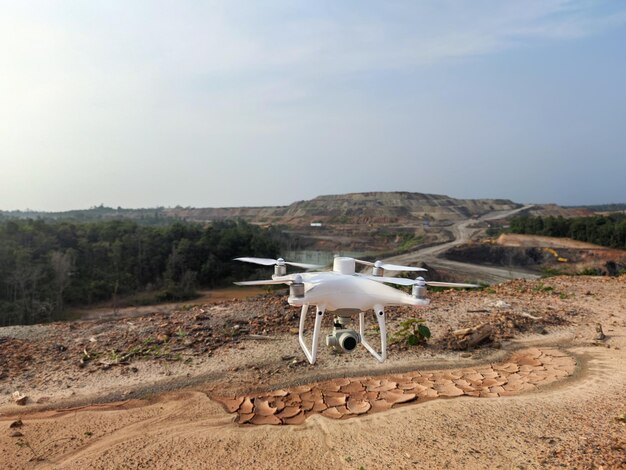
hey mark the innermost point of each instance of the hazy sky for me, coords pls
(200, 103)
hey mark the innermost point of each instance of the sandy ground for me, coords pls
(173, 423)
(514, 239)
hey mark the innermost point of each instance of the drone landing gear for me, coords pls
(311, 354)
(380, 316)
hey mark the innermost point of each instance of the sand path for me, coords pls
(186, 429)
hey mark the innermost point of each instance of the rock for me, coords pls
(245, 417)
(599, 333)
(332, 413)
(19, 399)
(297, 419)
(396, 396)
(263, 408)
(380, 405)
(246, 407)
(354, 386)
(16, 434)
(16, 424)
(289, 412)
(232, 404)
(358, 407)
(385, 386)
(259, 419)
(288, 358)
(332, 401)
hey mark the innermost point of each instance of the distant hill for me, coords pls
(602, 207)
(374, 207)
(353, 208)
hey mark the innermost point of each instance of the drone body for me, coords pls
(344, 291)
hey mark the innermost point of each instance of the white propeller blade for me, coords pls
(265, 282)
(411, 282)
(391, 280)
(263, 261)
(449, 284)
(390, 267)
(272, 262)
(397, 267)
(304, 265)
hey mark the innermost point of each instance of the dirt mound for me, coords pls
(526, 241)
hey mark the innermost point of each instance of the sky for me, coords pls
(241, 103)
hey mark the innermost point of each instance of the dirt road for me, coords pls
(463, 232)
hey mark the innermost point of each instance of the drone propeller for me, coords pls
(265, 282)
(297, 279)
(277, 262)
(419, 281)
(390, 267)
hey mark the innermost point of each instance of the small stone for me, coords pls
(19, 399)
(16, 424)
(599, 333)
(16, 434)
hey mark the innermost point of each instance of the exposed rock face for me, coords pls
(375, 207)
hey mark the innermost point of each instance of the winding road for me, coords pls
(463, 231)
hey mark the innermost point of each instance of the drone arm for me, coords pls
(380, 316)
(312, 354)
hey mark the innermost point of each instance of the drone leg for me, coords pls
(380, 316)
(310, 355)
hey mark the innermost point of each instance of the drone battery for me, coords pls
(344, 265)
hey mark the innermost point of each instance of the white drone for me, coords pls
(345, 292)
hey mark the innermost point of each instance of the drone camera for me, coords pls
(343, 339)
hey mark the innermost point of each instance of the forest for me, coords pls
(47, 266)
(606, 230)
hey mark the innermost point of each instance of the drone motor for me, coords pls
(280, 269)
(296, 288)
(419, 288)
